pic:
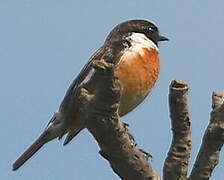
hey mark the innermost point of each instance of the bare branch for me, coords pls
(212, 142)
(116, 143)
(176, 163)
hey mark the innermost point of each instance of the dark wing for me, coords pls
(79, 79)
(110, 52)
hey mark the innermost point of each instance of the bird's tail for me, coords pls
(44, 138)
(55, 128)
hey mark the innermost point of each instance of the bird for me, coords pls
(132, 46)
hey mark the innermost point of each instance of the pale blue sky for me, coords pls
(43, 46)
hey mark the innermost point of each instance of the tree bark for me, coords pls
(212, 142)
(176, 163)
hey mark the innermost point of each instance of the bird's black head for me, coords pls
(136, 26)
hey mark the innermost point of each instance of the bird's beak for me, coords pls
(162, 38)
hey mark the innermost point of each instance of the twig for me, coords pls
(176, 163)
(212, 142)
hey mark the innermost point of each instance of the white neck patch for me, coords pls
(139, 39)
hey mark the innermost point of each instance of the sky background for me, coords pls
(43, 46)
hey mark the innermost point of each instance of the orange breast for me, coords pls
(137, 72)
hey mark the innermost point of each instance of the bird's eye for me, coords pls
(151, 29)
